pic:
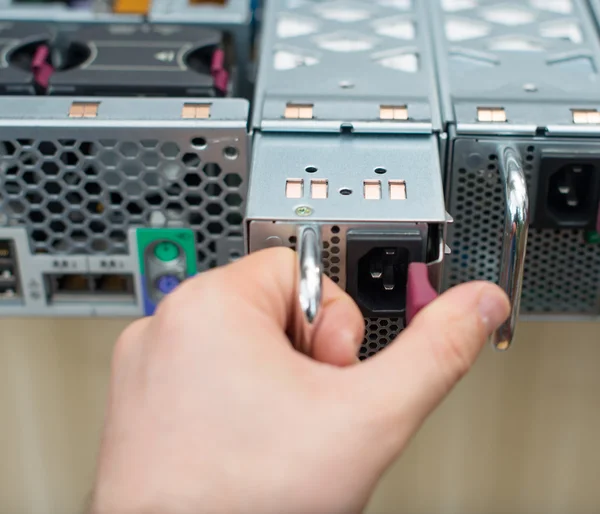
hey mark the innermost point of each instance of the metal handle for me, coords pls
(311, 271)
(514, 244)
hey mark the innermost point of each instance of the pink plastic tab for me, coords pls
(219, 73)
(419, 292)
(42, 70)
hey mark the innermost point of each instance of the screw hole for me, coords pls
(310, 169)
(346, 84)
(199, 142)
(380, 171)
(230, 152)
(345, 191)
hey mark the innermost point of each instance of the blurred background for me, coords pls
(519, 435)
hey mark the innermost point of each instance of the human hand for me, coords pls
(212, 410)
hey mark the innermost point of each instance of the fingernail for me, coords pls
(493, 309)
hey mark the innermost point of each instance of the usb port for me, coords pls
(8, 291)
(9, 281)
(6, 251)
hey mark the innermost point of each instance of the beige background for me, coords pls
(520, 435)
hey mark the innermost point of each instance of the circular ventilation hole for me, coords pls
(230, 153)
(199, 143)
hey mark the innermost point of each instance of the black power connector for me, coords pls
(377, 268)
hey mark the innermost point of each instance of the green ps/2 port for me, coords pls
(166, 251)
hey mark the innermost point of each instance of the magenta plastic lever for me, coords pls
(419, 291)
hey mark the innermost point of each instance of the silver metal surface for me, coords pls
(345, 163)
(562, 270)
(488, 50)
(311, 271)
(78, 185)
(346, 58)
(514, 243)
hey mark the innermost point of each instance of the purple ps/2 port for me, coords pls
(167, 283)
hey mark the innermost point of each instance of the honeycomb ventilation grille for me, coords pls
(562, 271)
(379, 333)
(80, 196)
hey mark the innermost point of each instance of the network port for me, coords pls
(114, 285)
(80, 288)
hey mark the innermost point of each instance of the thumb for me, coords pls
(420, 368)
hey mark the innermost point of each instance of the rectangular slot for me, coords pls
(397, 190)
(491, 115)
(319, 189)
(372, 189)
(393, 112)
(299, 111)
(294, 188)
(84, 110)
(196, 111)
(586, 117)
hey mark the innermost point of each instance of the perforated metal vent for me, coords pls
(379, 333)
(332, 254)
(562, 271)
(80, 194)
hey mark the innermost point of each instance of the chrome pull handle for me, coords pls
(311, 271)
(514, 244)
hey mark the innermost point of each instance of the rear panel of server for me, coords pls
(117, 141)
(526, 75)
